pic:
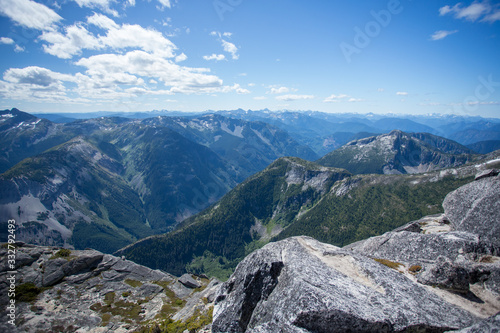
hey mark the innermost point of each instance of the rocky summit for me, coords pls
(440, 273)
(58, 290)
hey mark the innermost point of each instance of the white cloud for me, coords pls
(104, 5)
(380, 89)
(260, 98)
(230, 48)
(492, 17)
(353, 100)
(227, 46)
(292, 97)
(280, 90)
(35, 75)
(18, 48)
(165, 3)
(402, 93)
(71, 43)
(216, 57)
(181, 57)
(335, 98)
(36, 84)
(6, 40)
(341, 98)
(102, 21)
(135, 36)
(473, 12)
(438, 35)
(237, 88)
(178, 79)
(77, 38)
(445, 10)
(29, 14)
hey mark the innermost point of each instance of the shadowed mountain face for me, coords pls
(398, 153)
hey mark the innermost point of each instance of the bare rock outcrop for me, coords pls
(302, 285)
(88, 291)
(475, 207)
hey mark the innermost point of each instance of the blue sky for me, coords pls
(391, 56)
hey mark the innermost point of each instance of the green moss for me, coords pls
(27, 292)
(192, 324)
(109, 298)
(125, 309)
(105, 319)
(62, 253)
(133, 283)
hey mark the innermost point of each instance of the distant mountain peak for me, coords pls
(398, 152)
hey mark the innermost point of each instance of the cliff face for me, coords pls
(436, 274)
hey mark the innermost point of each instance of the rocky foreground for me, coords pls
(441, 273)
(59, 290)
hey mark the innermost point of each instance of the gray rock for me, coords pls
(188, 281)
(486, 272)
(413, 247)
(475, 208)
(83, 263)
(487, 173)
(447, 275)
(490, 325)
(79, 285)
(148, 289)
(53, 271)
(134, 271)
(302, 285)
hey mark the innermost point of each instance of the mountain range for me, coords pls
(107, 182)
(324, 132)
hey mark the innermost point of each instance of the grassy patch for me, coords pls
(414, 269)
(128, 311)
(62, 253)
(133, 283)
(27, 292)
(388, 263)
(105, 319)
(193, 324)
